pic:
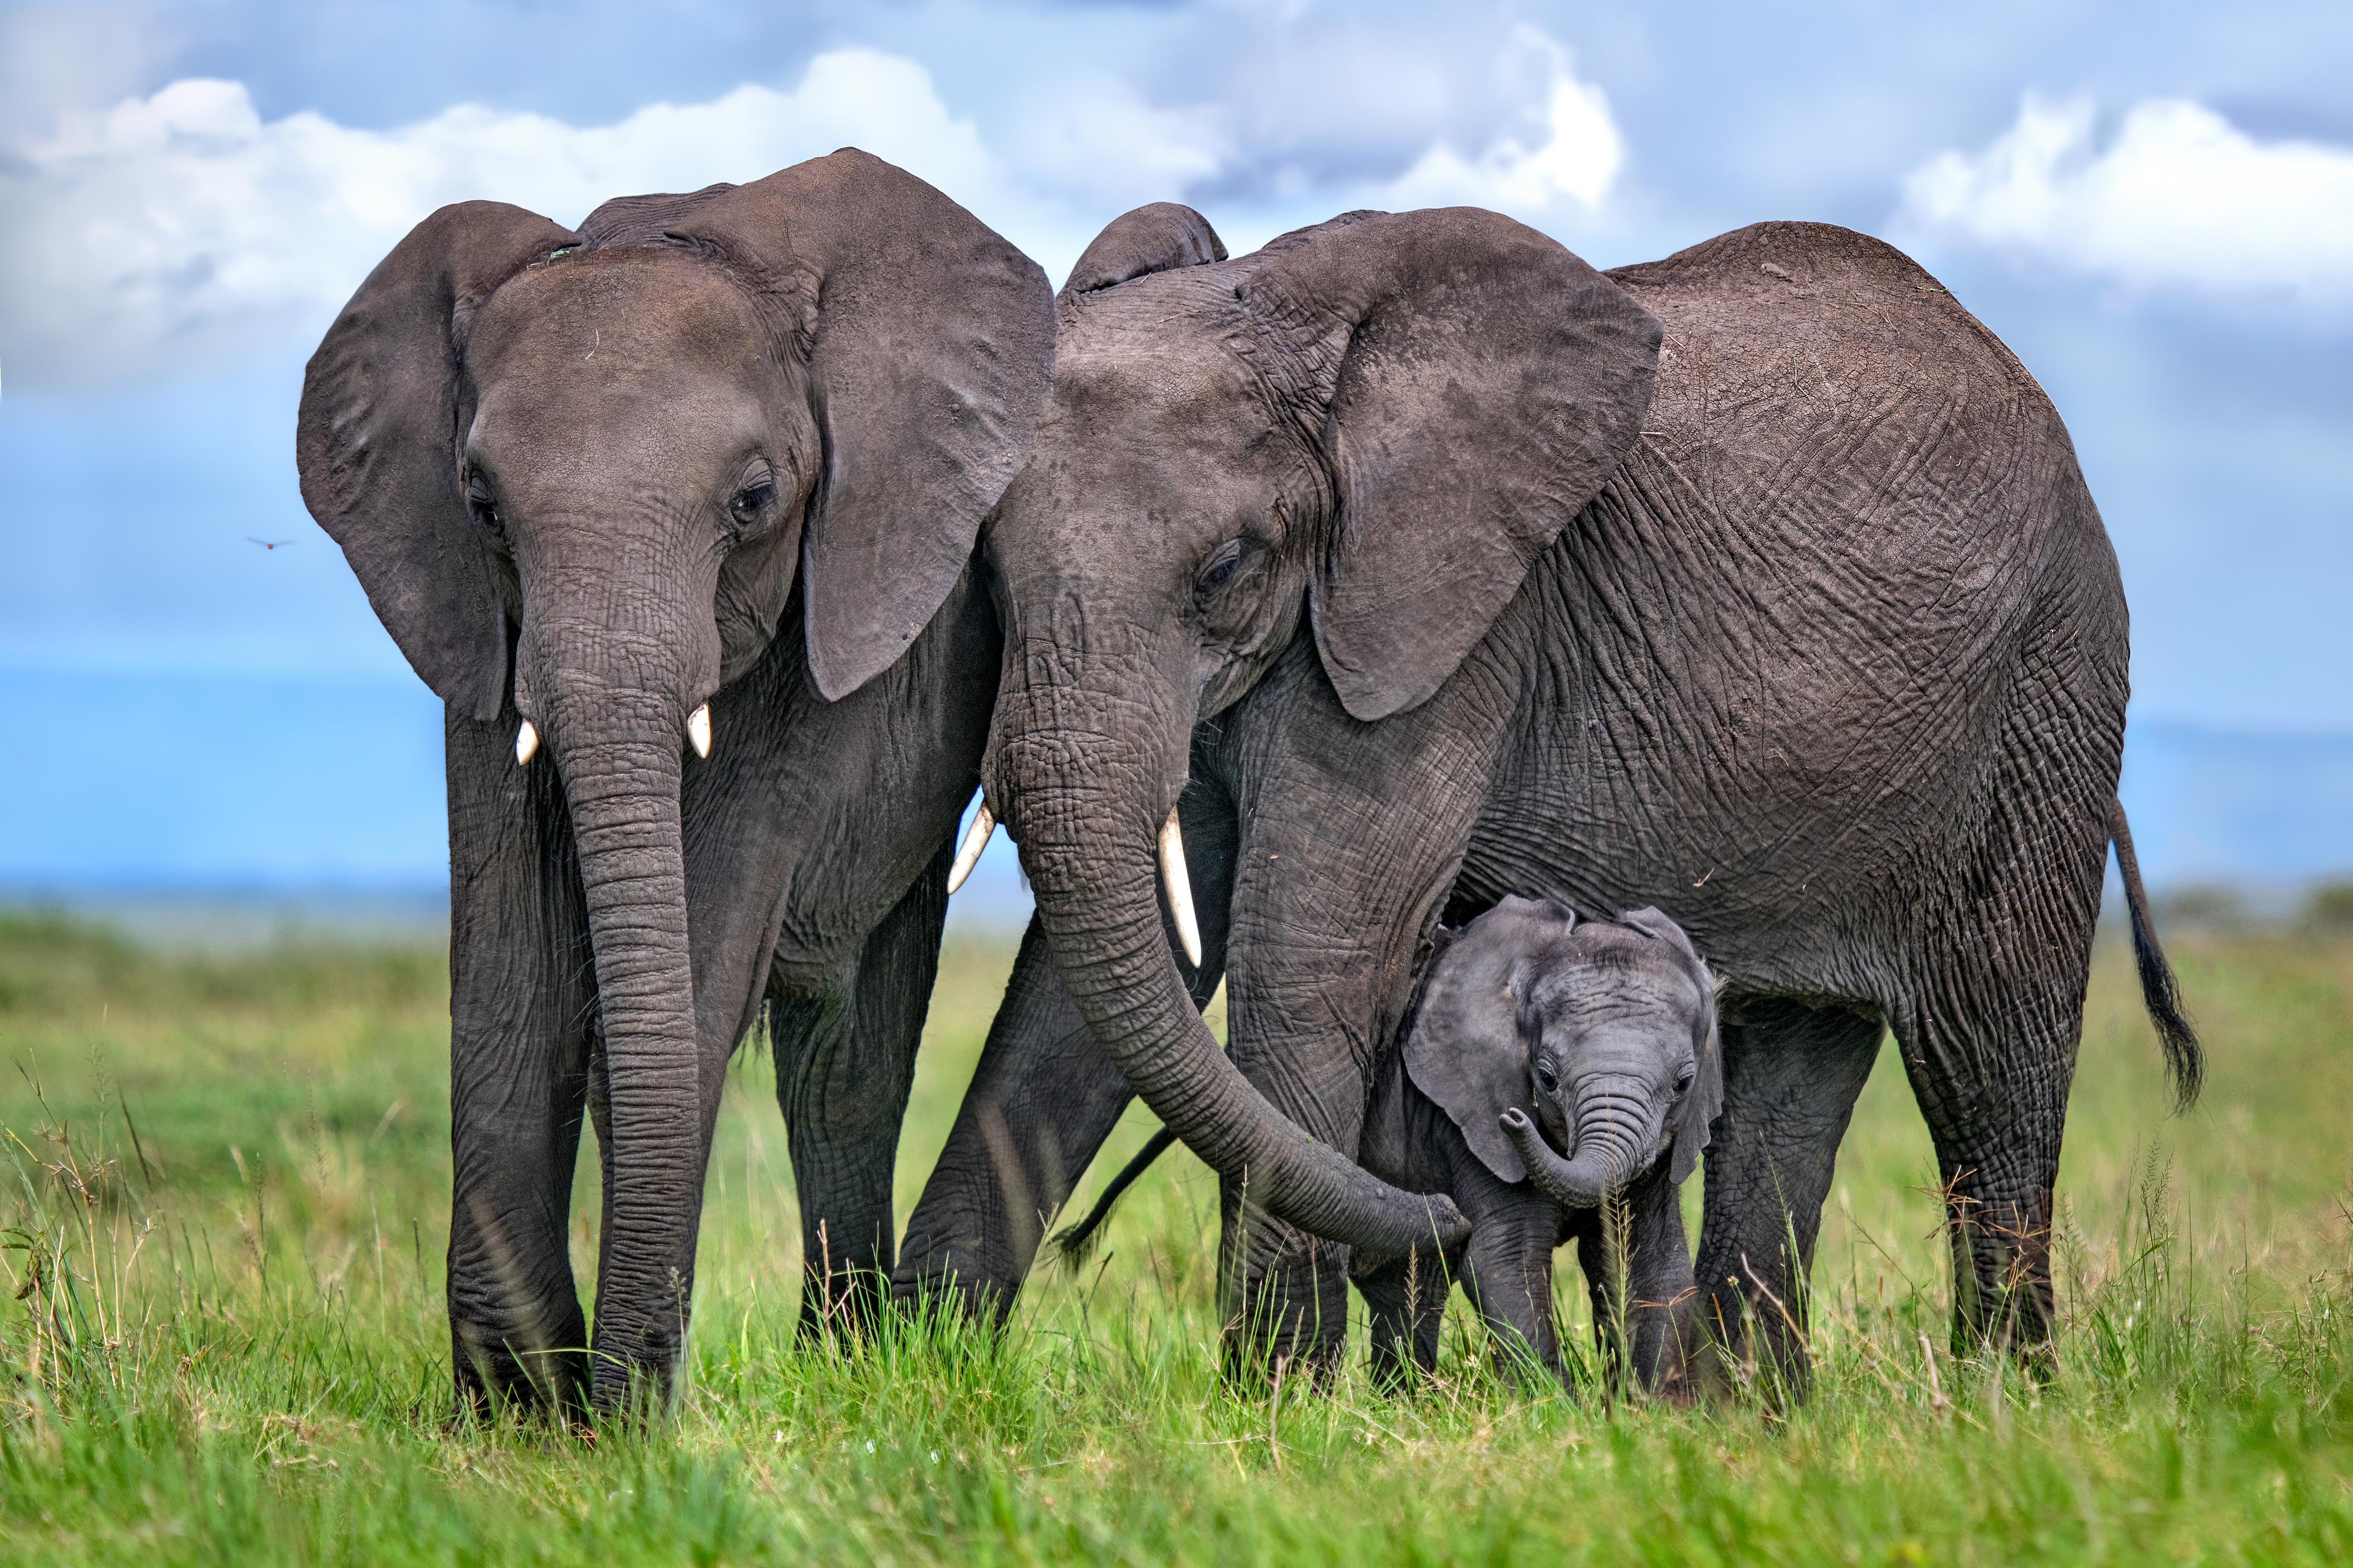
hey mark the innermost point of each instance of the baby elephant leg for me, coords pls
(1507, 1273)
(1643, 1297)
(1406, 1300)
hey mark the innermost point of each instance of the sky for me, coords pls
(2152, 204)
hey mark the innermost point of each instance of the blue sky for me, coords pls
(2152, 204)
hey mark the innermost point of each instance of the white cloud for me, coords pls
(2179, 198)
(176, 233)
(1577, 154)
(173, 226)
(1098, 141)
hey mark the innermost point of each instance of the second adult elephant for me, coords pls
(675, 512)
(1428, 563)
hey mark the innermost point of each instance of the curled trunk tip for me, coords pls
(1601, 1167)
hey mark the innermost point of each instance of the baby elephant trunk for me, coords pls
(1607, 1153)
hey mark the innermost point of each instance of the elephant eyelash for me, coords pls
(1218, 569)
(484, 510)
(752, 502)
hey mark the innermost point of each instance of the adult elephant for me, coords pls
(683, 499)
(1430, 564)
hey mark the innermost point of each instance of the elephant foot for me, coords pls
(495, 1376)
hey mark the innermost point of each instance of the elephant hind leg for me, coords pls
(1791, 1075)
(1992, 1084)
(845, 1065)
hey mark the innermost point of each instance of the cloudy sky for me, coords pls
(2152, 204)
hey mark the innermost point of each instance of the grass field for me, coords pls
(226, 1342)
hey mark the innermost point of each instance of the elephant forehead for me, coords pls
(1619, 987)
(640, 313)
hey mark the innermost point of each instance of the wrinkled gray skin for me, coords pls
(1759, 583)
(733, 448)
(1603, 1036)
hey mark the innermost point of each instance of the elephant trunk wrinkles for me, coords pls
(1605, 1152)
(617, 738)
(1087, 820)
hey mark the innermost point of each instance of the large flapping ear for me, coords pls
(932, 353)
(1705, 1097)
(1465, 1051)
(1155, 238)
(1488, 383)
(376, 437)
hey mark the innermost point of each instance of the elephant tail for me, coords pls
(1073, 1244)
(2185, 1059)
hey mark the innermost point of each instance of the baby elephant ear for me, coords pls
(1464, 1051)
(1705, 1099)
(1156, 239)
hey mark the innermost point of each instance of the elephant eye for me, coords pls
(1683, 1079)
(483, 507)
(751, 502)
(1546, 1079)
(1218, 569)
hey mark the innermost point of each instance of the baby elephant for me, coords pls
(1550, 1063)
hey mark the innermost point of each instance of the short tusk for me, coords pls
(1179, 883)
(976, 839)
(698, 730)
(526, 742)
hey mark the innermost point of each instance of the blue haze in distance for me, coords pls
(2153, 207)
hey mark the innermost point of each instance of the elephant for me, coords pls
(1601, 1034)
(1410, 561)
(685, 499)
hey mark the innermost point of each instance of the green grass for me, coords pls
(226, 1341)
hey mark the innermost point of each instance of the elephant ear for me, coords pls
(1465, 1051)
(932, 354)
(1705, 1097)
(1488, 382)
(376, 437)
(1155, 238)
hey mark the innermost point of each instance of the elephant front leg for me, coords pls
(1405, 1297)
(1507, 1273)
(1791, 1074)
(845, 1064)
(1043, 1100)
(1351, 843)
(1638, 1273)
(520, 1008)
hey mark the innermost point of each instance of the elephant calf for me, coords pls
(1535, 1029)
(1537, 1032)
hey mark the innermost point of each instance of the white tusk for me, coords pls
(1179, 883)
(526, 742)
(976, 839)
(698, 730)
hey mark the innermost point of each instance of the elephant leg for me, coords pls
(1997, 1136)
(520, 1008)
(1649, 1281)
(1041, 1102)
(1508, 1274)
(845, 1063)
(1791, 1075)
(1348, 852)
(1405, 1299)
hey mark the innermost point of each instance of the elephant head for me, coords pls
(1608, 1032)
(1379, 422)
(583, 475)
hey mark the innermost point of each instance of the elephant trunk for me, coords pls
(1605, 1157)
(1087, 812)
(616, 722)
